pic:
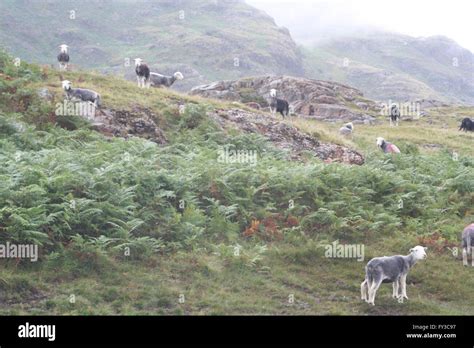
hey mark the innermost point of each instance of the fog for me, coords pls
(313, 20)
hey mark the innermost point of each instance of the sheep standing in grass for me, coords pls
(347, 129)
(467, 125)
(85, 95)
(392, 269)
(278, 105)
(143, 73)
(394, 115)
(386, 146)
(467, 244)
(63, 57)
(158, 80)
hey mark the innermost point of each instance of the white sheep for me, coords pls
(392, 269)
(467, 244)
(158, 80)
(81, 94)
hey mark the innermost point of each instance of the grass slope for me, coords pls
(246, 238)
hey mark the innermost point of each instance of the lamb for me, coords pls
(278, 105)
(386, 146)
(394, 115)
(63, 57)
(347, 129)
(467, 244)
(158, 80)
(392, 269)
(467, 125)
(143, 73)
(85, 95)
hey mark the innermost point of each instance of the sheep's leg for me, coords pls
(391, 122)
(395, 288)
(364, 288)
(403, 283)
(464, 256)
(373, 290)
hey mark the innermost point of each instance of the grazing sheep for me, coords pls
(347, 129)
(158, 80)
(467, 244)
(392, 269)
(467, 125)
(278, 105)
(63, 57)
(85, 95)
(386, 146)
(143, 73)
(394, 115)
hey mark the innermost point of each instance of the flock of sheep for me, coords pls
(393, 269)
(145, 79)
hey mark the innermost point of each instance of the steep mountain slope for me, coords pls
(398, 67)
(204, 39)
(129, 225)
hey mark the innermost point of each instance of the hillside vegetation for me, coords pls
(131, 227)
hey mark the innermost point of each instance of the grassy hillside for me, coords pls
(232, 238)
(398, 67)
(206, 40)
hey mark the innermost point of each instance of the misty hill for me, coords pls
(398, 67)
(227, 40)
(206, 40)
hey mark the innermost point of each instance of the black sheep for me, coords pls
(278, 105)
(467, 125)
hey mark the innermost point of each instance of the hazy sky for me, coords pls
(452, 18)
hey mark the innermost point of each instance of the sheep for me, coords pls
(467, 125)
(278, 105)
(347, 129)
(392, 269)
(158, 80)
(143, 73)
(386, 146)
(85, 95)
(63, 57)
(394, 115)
(467, 244)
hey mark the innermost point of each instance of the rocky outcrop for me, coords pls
(136, 122)
(285, 136)
(329, 101)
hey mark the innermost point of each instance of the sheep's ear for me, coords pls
(425, 248)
